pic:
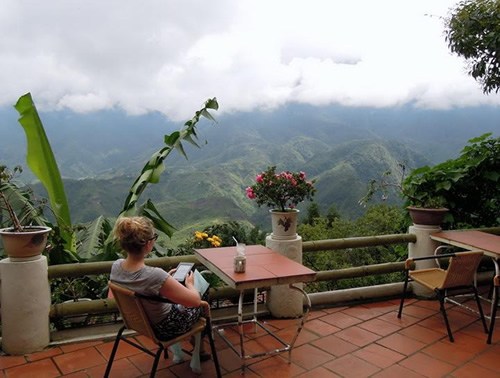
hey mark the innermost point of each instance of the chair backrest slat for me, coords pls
(132, 311)
(462, 268)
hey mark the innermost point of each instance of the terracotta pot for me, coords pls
(28, 243)
(427, 216)
(284, 224)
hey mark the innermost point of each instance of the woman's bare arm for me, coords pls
(178, 293)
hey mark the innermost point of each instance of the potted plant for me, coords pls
(20, 240)
(422, 191)
(282, 192)
(424, 195)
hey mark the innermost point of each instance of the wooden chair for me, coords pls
(135, 318)
(459, 276)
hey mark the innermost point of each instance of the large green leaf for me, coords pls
(42, 162)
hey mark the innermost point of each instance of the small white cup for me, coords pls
(240, 263)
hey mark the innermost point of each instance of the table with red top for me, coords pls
(264, 267)
(482, 241)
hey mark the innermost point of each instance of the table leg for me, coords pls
(494, 306)
(240, 325)
(287, 347)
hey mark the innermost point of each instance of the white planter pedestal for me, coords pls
(25, 304)
(282, 301)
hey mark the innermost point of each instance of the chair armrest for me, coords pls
(409, 263)
(205, 307)
(432, 257)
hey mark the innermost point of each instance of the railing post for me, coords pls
(282, 301)
(25, 304)
(424, 246)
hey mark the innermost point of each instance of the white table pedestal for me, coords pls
(25, 304)
(282, 301)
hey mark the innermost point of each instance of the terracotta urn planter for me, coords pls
(284, 224)
(30, 242)
(427, 216)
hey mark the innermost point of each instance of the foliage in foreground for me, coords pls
(473, 31)
(378, 220)
(468, 185)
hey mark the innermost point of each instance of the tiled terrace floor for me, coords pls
(358, 341)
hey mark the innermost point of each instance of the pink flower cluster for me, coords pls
(280, 190)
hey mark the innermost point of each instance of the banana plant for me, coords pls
(151, 172)
(98, 237)
(41, 161)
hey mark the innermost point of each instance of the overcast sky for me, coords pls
(170, 56)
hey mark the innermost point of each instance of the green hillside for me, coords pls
(205, 191)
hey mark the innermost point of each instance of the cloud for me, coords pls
(170, 56)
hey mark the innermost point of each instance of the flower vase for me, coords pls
(284, 224)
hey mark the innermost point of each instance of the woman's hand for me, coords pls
(189, 281)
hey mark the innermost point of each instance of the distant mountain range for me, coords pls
(100, 155)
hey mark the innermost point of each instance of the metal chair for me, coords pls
(459, 276)
(135, 318)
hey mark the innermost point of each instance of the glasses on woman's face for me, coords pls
(154, 237)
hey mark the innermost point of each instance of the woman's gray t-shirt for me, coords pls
(147, 281)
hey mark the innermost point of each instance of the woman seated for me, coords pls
(136, 236)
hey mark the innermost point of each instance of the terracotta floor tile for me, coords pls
(308, 356)
(181, 370)
(418, 311)
(331, 310)
(122, 368)
(422, 334)
(124, 350)
(432, 304)
(379, 327)
(426, 365)
(319, 372)
(335, 345)
(405, 320)
(489, 359)
(383, 307)
(341, 320)
(277, 367)
(396, 371)
(44, 354)
(436, 323)
(78, 360)
(470, 343)
(237, 374)
(316, 313)
(144, 362)
(281, 323)
(476, 330)
(401, 348)
(379, 356)
(362, 312)
(358, 336)
(401, 344)
(475, 370)
(228, 359)
(9, 361)
(72, 347)
(78, 374)
(449, 352)
(320, 328)
(352, 366)
(40, 369)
